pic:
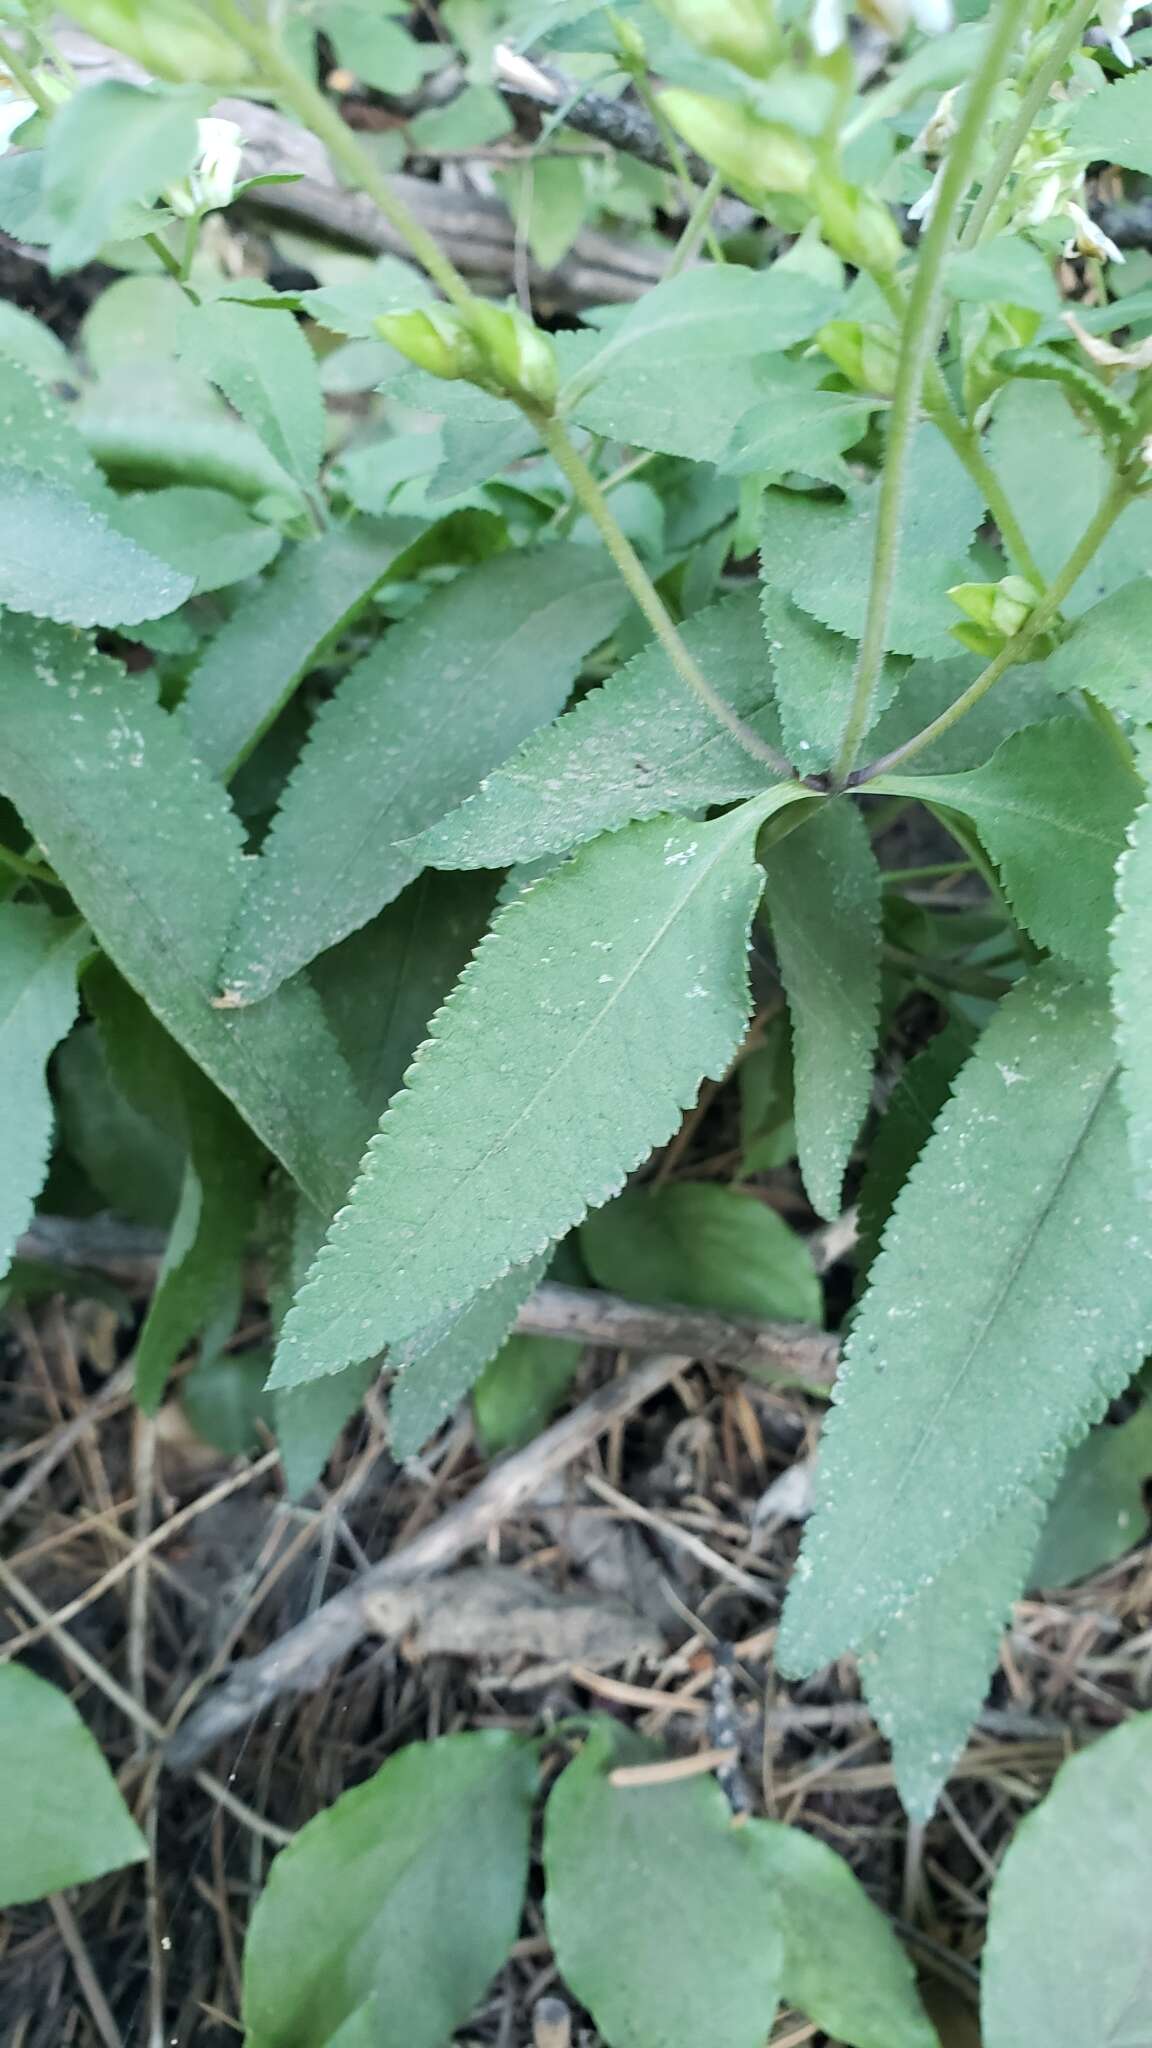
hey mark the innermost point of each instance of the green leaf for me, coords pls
(1029, 422)
(262, 363)
(109, 787)
(284, 629)
(1098, 1511)
(843, 1966)
(1007, 271)
(552, 197)
(642, 744)
(60, 559)
(1106, 652)
(443, 699)
(821, 552)
(64, 1820)
(28, 343)
(151, 424)
(308, 1419)
(39, 956)
(913, 1106)
(436, 1377)
(1049, 366)
(1115, 124)
(476, 116)
(1069, 1940)
(926, 1674)
(381, 987)
(401, 1900)
(136, 1167)
(39, 436)
(1052, 807)
(1132, 979)
(205, 535)
(111, 144)
(822, 895)
(477, 1165)
(1015, 1281)
(705, 1246)
(225, 1402)
(657, 1911)
(520, 1389)
(767, 1126)
(691, 358)
(204, 1261)
(380, 52)
(1022, 697)
(795, 425)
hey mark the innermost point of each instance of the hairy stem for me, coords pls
(589, 495)
(1014, 650)
(919, 341)
(318, 113)
(1067, 42)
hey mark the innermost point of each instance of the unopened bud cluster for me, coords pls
(495, 347)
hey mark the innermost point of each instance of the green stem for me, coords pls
(1107, 513)
(1017, 133)
(679, 163)
(28, 870)
(698, 224)
(966, 980)
(23, 75)
(317, 112)
(588, 493)
(919, 341)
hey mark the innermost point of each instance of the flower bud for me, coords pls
(859, 228)
(754, 156)
(865, 352)
(997, 612)
(174, 39)
(517, 355)
(212, 181)
(743, 31)
(629, 40)
(434, 338)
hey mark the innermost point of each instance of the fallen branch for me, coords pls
(301, 1659)
(762, 1350)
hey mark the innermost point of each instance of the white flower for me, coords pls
(1089, 240)
(212, 181)
(940, 126)
(1044, 201)
(924, 207)
(827, 26)
(1115, 19)
(13, 114)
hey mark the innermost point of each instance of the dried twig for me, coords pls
(301, 1659)
(762, 1350)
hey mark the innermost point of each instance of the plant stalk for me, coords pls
(1017, 133)
(1014, 650)
(919, 341)
(588, 494)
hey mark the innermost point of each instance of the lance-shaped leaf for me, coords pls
(444, 697)
(1014, 1286)
(814, 671)
(145, 841)
(1132, 981)
(822, 895)
(926, 1675)
(578, 1033)
(60, 559)
(1069, 1954)
(261, 361)
(39, 955)
(255, 661)
(1052, 807)
(643, 743)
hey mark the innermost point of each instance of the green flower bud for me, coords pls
(754, 156)
(174, 39)
(519, 357)
(434, 338)
(629, 40)
(860, 229)
(996, 611)
(865, 352)
(988, 331)
(743, 31)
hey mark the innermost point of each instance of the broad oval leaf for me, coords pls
(61, 559)
(39, 956)
(532, 1101)
(64, 1819)
(1052, 807)
(1016, 1282)
(1069, 1952)
(146, 843)
(204, 534)
(403, 1898)
(822, 896)
(641, 744)
(440, 701)
(661, 1921)
(843, 1966)
(703, 1246)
